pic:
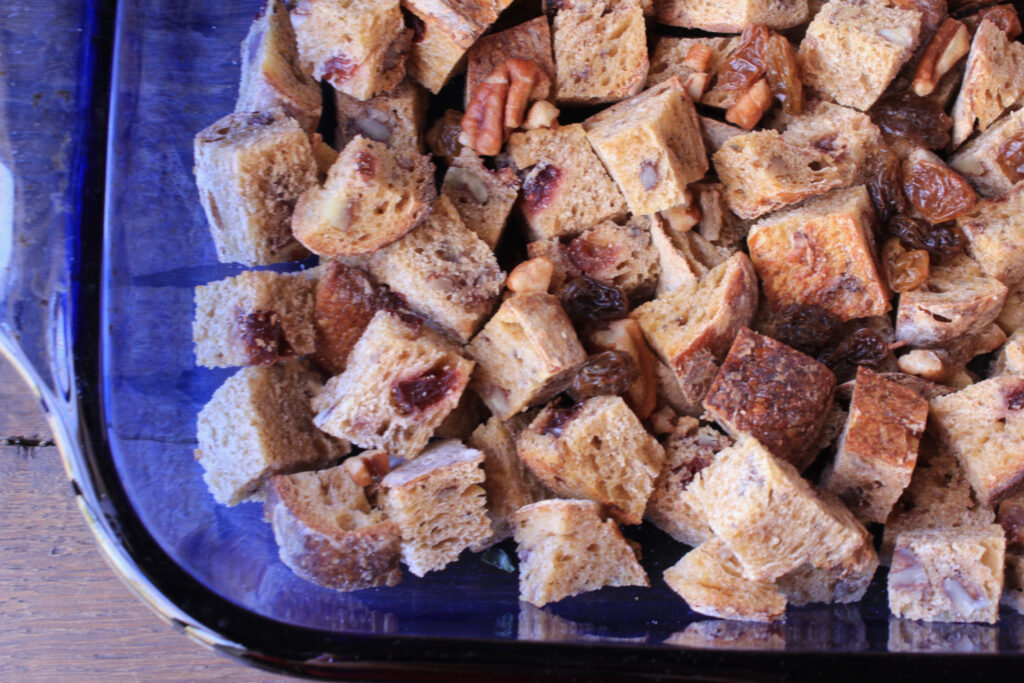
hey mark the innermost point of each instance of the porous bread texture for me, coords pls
(993, 81)
(848, 137)
(254, 318)
(948, 574)
(870, 36)
(770, 517)
(372, 197)
(344, 301)
(257, 424)
(483, 198)
(843, 584)
(396, 118)
(272, 77)
(877, 451)
(994, 229)
(670, 53)
(327, 532)
(250, 169)
(710, 579)
(525, 354)
(567, 188)
(651, 145)
(566, 548)
(438, 504)
(600, 51)
(597, 449)
(983, 424)
(692, 328)
(732, 16)
(774, 393)
(530, 40)
(822, 254)
(358, 46)
(978, 160)
(401, 381)
(443, 270)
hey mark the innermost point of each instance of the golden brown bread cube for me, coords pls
(483, 198)
(842, 584)
(344, 302)
(732, 16)
(980, 160)
(395, 118)
(530, 40)
(994, 229)
(993, 81)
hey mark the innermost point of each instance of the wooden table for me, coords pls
(64, 614)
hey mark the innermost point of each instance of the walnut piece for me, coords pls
(533, 275)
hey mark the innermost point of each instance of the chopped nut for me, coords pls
(951, 42)
(533, 275)
(697, 58)
(696, 84)
(482, 124)
(967, 599)
(751, 106)
(923, 363)
(900, 35)
(664, 420)
(907, 571)
(525, 75)
(682, 218)
(542, 114)
(466, 178)
(649, 174)
(626, 335)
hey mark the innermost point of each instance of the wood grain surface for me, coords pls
(64, 614)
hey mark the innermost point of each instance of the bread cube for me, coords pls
(567, 189)
(994, 229)
(327, 532)
(345, 299)
(250, 169)
(257, 424)
(871, 34)
(980, 160)
(993, 81)
(770, 517)
(396, 118)
(651, 145)
(877, 450)
(710, 579)
(600, 51)
(732, 16)
(401, 381)
(774, 393)
(483, 198)
(821, 254)
(849, 138)
(948, 574)
(567, 548)
(358, 46)
(525, 354)
(983, 424)
(271, 75)
(439, 505)
(371, 198)
(691, 329)
(255, 318)
(843, 584)
(443, 270)
(530, 40)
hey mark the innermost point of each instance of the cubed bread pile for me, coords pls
(761, 289)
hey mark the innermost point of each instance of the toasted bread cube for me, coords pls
(691, 329)
(439, 505)
(732, 16)
(255, 318)
(371, 198)
(483, 198)
(669, 57)
(843, 584)
(848, 137)
(345, 299)
(271, 75)
(983, 424)
(770, 517)
(773, 392)
(711, 580)
(877, 451)
(395, 118)
(941, 638)
(651, 145)
(525, 354)
(358, 46)
(567, 188)
(257, 424)
(600, 51)
(566, 548)
(597, 449)
(995, 236)
(871, 34)
(530, 40)
(443, 270)
(993, 81)
(979, 160)
(327, 532)
(401, 381)
(948, 574)
(250, 168)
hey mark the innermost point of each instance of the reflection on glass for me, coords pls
(919, 636)
(730, 635)
(826, 627)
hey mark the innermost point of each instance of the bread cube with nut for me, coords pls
(672, 58)
(877, 451)
(651, 145)
(845, 583)
(525, 354)
(596, 449)
(567, 547)
(774, 393)
(948, 574)
(255, 318)
(401, 381)
(994, 229)
(732, 16)
(530, 41)
(438, 503)
(992, 81)
(250, 169)
(395, 118)
(258, 424)
(991, 162)
(483, 198)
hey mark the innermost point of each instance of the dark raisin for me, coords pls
(1010, 158)
(936, 192)
(783, 74)
(264, 337)
(557, 418)
(443, 136)
(339, 69)
(885, 184)
(587, 301)
(606, 373)
(907, 116)
(1014, 397)
(863, 347)
(423, 391)
(690, 469)
(807, 328)
(945, 239)
(539, 186)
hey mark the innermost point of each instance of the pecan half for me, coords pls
(499, 104)
(949, 44)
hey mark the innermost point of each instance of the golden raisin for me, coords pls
(746, 63)
(937, 192)
(1010, 158)
(904, 269)
(783, 74)
(443, 136)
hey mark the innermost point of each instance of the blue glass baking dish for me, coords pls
(102, 240)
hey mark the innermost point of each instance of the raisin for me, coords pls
(937, 192)
(885, 184)
(905, 270)
(746, 64)
(1010, 158)
(558, 417)
(590, 255)
(1015, 397)
(423, 391)
(443, 136)
(264, 337)
(783, 74)
(339, 69)
(905, 115)
(605, 373)
(539, 186)
(587, 301)
(366, 165)
(863, 347)
(944, 239)
(807, 328)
